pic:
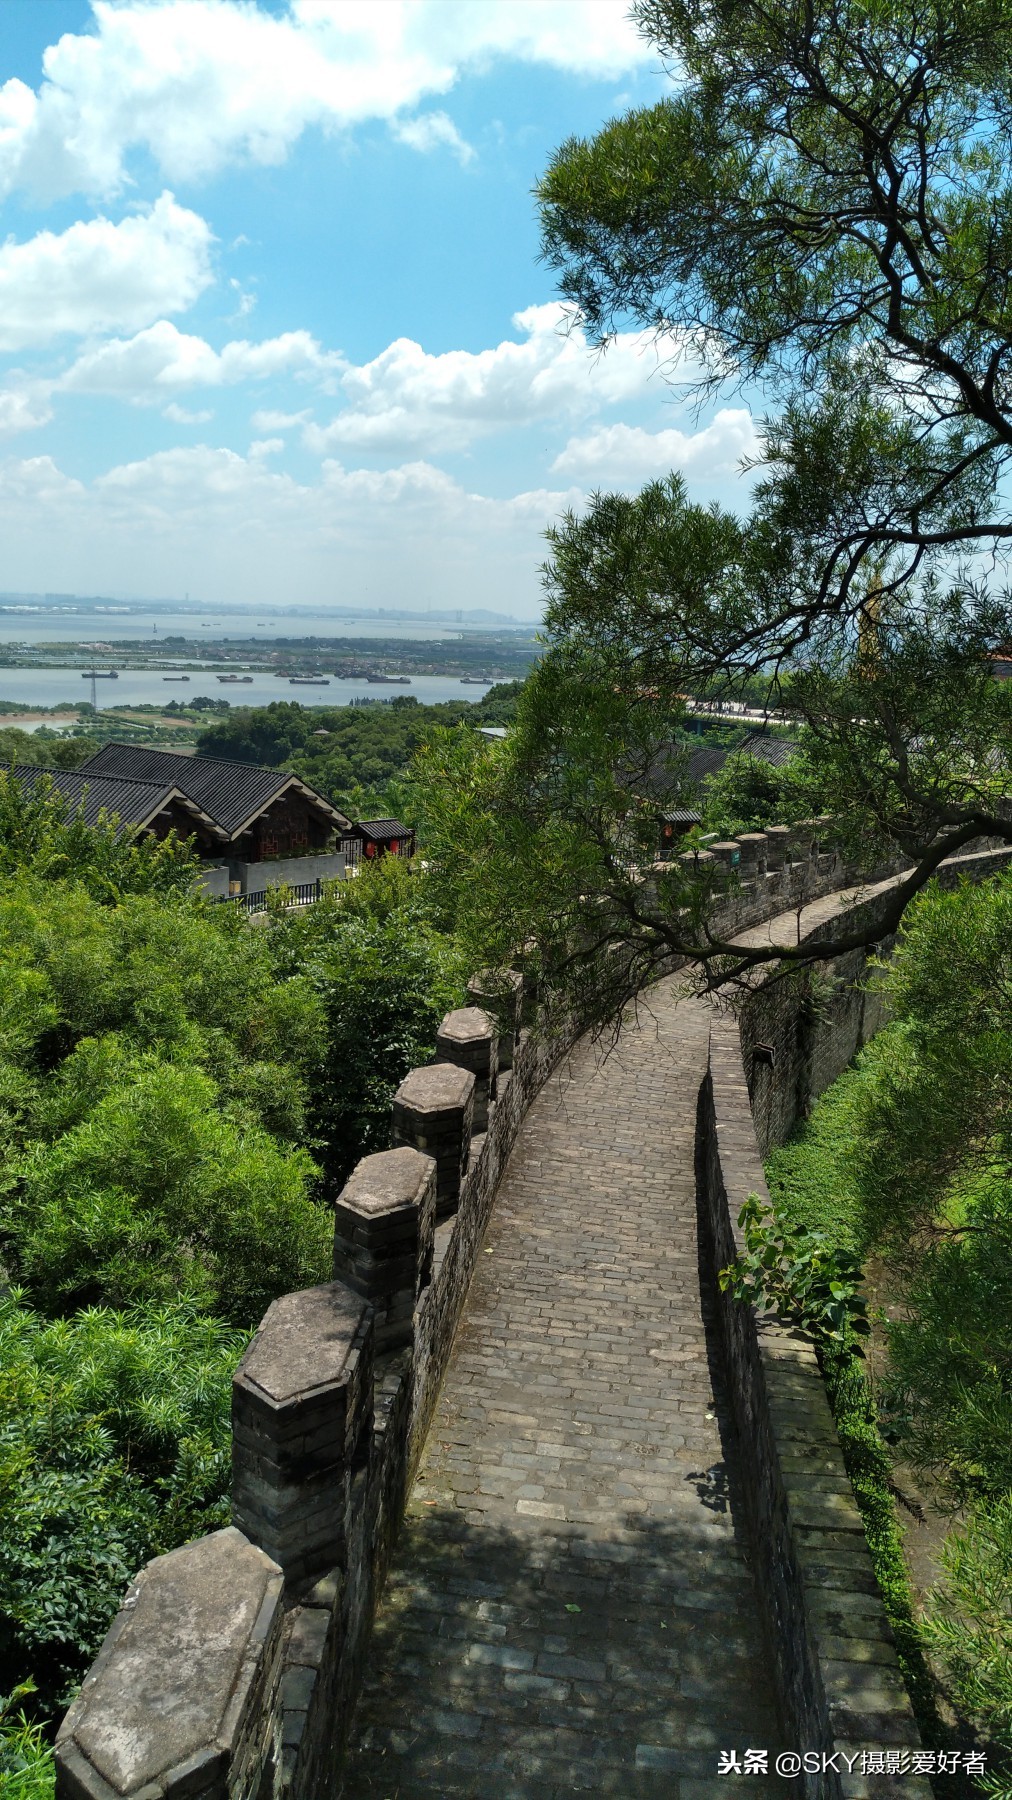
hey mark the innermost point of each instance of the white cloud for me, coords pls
(408, 399)
(100, 276)
(627, 456)
(200, 84)
(255, 534)
(268, 420)
(24, 407)
(433, 131)
(180, 416)
(162, 357)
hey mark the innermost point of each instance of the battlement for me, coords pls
(231, 1671)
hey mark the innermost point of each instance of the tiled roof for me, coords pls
(233, 793)
(381, 831)
(706, 762)
(773, 750)
(133, 802)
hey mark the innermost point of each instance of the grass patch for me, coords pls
(866, 1459)
(811, 1178)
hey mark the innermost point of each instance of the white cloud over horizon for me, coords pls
(234, 518)
(206, 428)
(629, 455)
(163, 358)
(101, 276)
(406, 398)
(202, 84)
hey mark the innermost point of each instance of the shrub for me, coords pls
(157, 1193)
(114, 1446)
(800, 1276)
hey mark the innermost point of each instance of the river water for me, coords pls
(22, 626)
(49, 687)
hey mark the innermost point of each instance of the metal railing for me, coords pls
(299, 893)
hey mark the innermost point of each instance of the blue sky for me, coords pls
(272, 324)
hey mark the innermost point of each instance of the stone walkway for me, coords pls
(571, 1608)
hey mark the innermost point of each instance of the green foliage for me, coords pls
(948, 1397)
(361, 763)
(41, 833)
(748, 794)
(157, 1192)
(44, 748)
(821, 206)
(811, 1178)
(165, 1070)
(26, 1761)
(383, 977)
(800, 1276)
(552, 837)
(152, 1091)
(969, 1623)
(114, 1446)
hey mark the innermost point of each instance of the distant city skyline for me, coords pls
(272, 322)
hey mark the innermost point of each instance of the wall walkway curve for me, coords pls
(627, 1538)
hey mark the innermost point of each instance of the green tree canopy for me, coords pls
(819, 213)
(114, 1446)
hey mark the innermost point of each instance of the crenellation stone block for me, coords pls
(727, 855)
(183, 1701)
(468, 1038)
(777, 846)
(384, 1222)
(301, 1413)
(754, 851)
(501, 993)
(433, 1112)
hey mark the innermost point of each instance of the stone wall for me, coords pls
(331, 1405)
(837, 1672)
(232, 1669)
(289, 871)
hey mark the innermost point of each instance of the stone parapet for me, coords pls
(727, 855)
(384, 1220)
(469, 1039)
(433, 1111)
(301, 1417)
(325, 1445)
(753, 853)
(183, 1700)
(500, 992)
(777, 841)
(806, 1526)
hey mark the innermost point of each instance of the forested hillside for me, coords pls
(181, 1094)
(357, 756)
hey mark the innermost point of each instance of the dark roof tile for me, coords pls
(381, 831)
(132, 802)
(232, 793)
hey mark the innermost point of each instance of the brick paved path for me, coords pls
(571, 1608)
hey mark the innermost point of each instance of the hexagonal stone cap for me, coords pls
(305, 1342)
(183, 1651)
(467, 1025)
(390, 1181)
(438, 1088)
